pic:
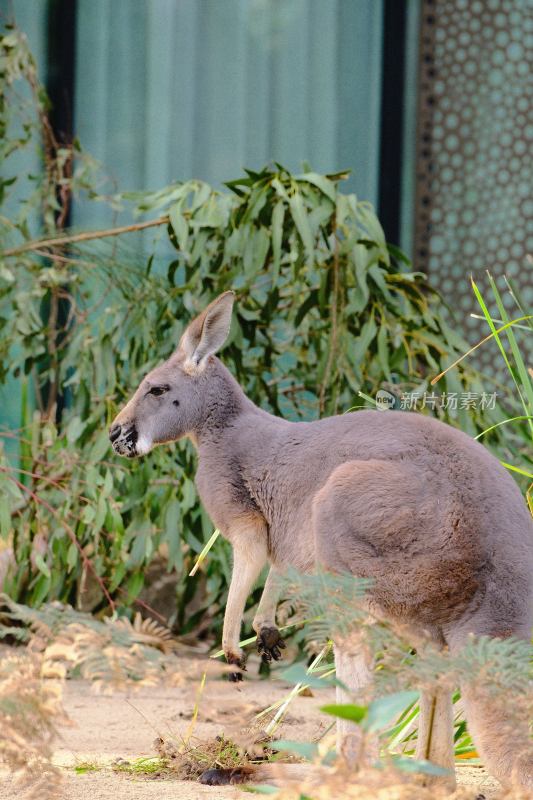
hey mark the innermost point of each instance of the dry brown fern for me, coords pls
(148, 632)
(30, 709)
(114, 654)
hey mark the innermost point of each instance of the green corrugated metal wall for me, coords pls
(170, 90)
(31, 17)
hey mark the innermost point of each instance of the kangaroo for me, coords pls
(417, 506)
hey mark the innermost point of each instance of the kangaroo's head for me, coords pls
(169, 401)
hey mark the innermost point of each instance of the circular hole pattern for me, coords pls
(474, 210)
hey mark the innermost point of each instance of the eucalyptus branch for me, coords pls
(37, 244)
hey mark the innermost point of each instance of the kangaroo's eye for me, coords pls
(158, 390)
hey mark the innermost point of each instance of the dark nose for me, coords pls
(114, 432)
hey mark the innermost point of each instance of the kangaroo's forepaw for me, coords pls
(239, 660)
(270, 644)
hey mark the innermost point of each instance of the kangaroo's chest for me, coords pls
(287, 507)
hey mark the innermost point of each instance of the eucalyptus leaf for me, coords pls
(306, 750)
(384, 711)
(348, 711)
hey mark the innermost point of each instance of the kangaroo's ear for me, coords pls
(207, 333)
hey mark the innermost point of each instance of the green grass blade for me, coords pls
(513, 323)
(500, 322)
(280, 713)
(503, 422)
(496, 335)
(493, 328)
(517, 469)
(527, 384)
(204, 552)
(515, 294)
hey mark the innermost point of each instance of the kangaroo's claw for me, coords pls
(270, 644)
(240, 662)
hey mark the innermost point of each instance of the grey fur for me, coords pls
(418, 506)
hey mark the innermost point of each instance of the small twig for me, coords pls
(146, 607)
(83, 237)
(141, 714)
(55, 257)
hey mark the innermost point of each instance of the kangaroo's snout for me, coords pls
(114, 432)
(124, 439)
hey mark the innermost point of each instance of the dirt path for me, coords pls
(120, 726)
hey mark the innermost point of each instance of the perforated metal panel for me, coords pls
(474, 162)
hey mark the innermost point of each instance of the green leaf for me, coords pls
(100, 447)
(141, 537)
(326, 186)
(255, 251)
(6, 273)
(359, 352)
(383, 352)
(525, 380)
(200, 195)
(74, 429)
(256, 203)
(348, 711)
(424, 767)
(306, 750)
(384, 711)
(180, 226)
(5, 518)
(298, 673)
(41, 565)
(280, 189)
(367, 217)
(299, 215)
(134, 585)
(72, 556)
(40, 590)
(101, 512)
(172, 534)
(278, 215)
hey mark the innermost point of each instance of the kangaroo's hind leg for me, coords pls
(502, 742)
(497, 719)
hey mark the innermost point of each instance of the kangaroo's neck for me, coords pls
(224, 403)
(235, 441)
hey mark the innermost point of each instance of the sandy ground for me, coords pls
(125, 726)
